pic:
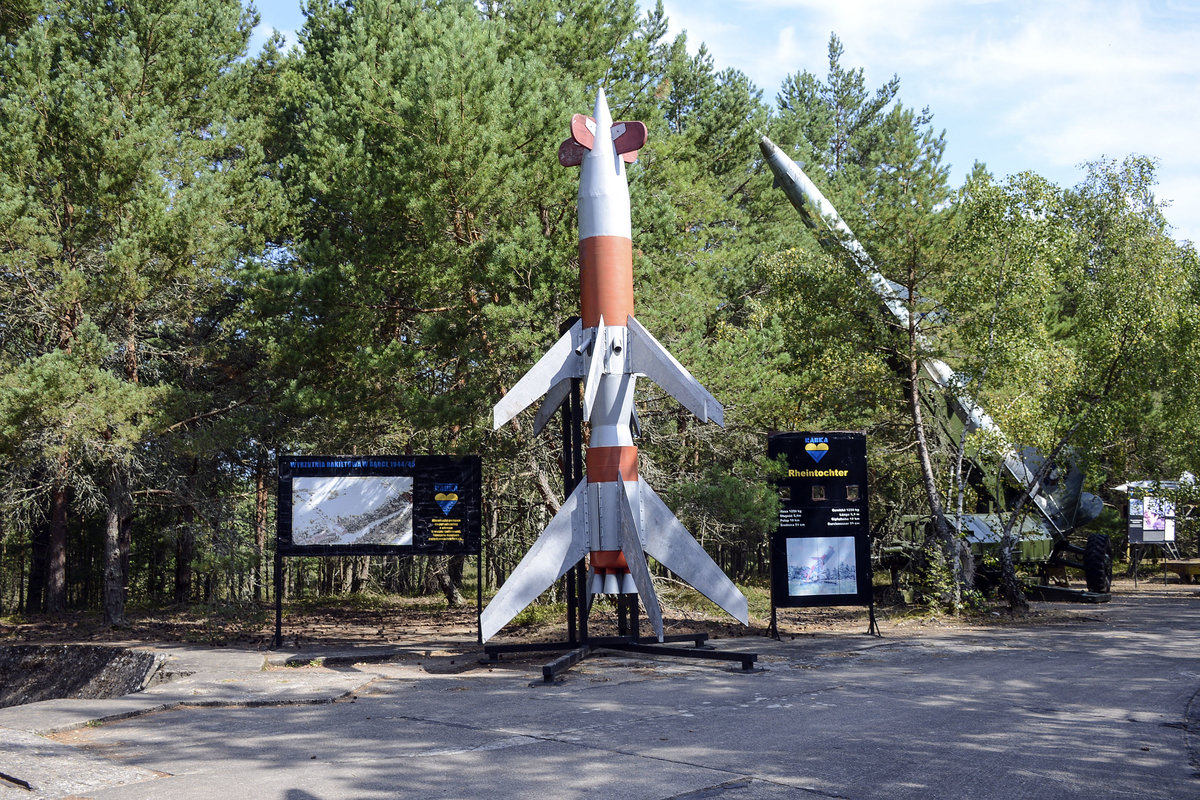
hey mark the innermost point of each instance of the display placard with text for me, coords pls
(379, 505)
(821, 553)
(1151, 520)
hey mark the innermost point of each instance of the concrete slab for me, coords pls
(1103, 707)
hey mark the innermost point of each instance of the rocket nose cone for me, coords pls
(601, 113)
(767, 146)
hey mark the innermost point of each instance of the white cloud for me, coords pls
(264, 31)
(1019, 85)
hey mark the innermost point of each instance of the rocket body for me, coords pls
(613, 517)
(606, 295)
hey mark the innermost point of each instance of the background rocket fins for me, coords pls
(557, 549)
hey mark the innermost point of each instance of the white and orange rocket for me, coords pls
(613, 517)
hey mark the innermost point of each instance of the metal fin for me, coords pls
(648, 357)
(628, 138)
(559, 363)
(596, 368)
(554, 398)
(671, 544)
(558, 549)
(635, 558)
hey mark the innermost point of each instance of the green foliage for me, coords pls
(209, 257)
(539, 615)
(133, 184)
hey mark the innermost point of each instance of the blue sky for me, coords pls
(1017, 84)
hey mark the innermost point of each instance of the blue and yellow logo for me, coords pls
(447, 496)
(816, 446)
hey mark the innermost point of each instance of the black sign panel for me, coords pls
(821, 553)
(379, 505)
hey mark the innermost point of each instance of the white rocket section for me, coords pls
(603, 190)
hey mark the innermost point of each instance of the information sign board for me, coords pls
(379, 505)
(821, 553)
(1151, 520)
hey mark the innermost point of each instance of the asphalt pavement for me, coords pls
(1104, 705)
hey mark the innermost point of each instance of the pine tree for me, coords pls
(132, 184)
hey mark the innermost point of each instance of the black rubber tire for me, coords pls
(1097, 563)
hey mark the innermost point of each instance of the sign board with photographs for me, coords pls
(379, 505)
(821, 553)
(1151, 520)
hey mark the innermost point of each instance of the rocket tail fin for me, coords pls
(651, 359)
(673, 547)
(595, 368)
(583, 136)
(583, 131)
(561, 361)
(558, 549)
(635, 559)
(571, 153)
(554, 398)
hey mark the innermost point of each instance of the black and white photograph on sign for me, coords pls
(822, 565)
(349, 511)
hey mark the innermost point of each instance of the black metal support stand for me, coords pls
(479, 567)
(578, 644)
(773, 628)
(1139, 552)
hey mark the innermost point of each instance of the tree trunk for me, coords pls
(39, 550)
(114, 573)
(1009, 584)
(3, 561)
(362, 573)
(156, 579)
(56, 556)
(185, 545)
(440, 568)
(184, 551)
(942, 532)
(261, 503)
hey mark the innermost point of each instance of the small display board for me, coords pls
(821, 553)
(1151, 520)
(379, 505)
